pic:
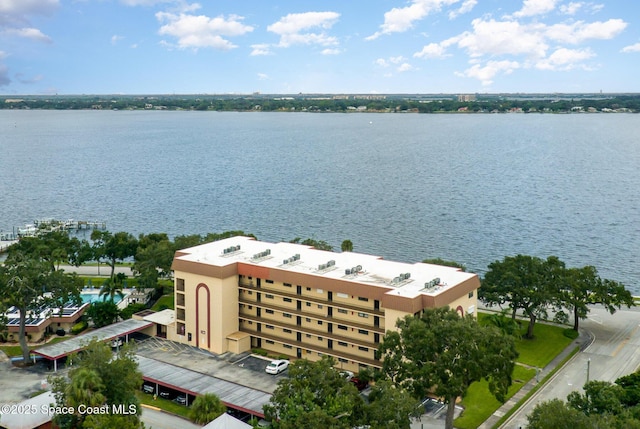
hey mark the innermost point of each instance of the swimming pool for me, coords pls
(95, 297)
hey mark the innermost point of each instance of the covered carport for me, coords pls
(196, 383)
(53, 352)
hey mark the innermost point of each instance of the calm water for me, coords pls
(472, 188)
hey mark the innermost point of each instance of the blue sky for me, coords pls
(329, 46)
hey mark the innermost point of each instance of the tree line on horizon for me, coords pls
(418, 104)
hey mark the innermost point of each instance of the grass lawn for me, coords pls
(479, 403)
(13, 349)
(165, 301)
(164, 404)
(547, 343)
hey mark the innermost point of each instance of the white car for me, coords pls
(277, 366)
(116, 342)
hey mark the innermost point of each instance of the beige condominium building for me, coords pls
(290, 299)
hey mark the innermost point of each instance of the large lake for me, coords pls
(471, 188)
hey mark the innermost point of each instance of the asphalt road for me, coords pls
(613, 353)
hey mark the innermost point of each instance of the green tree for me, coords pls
(583, 287)
(206, 408)
(113, 247)
(444, 353)
(390, 407)
(153, 259)
(526, 283)
(555, 414)
(317, 244)
(314, 392)
(28, 283)
(97, 376)
(600, 397)
(444, 262)
(103, 313)
(111, 288)
(347, 246)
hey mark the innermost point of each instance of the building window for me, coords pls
(180, 299)
(363, 331)
(308, 335)
(269, 281)
(307, 319)
(361, 298)
(287, 346)
(180, 285)
(180, 328)
(471, 294)
(251, 307)
(343, 311)
(308, 289)
(363, 349)
(343, 360)
(287, 315)
(286, 331)
(268, 295)
(320, 306)
(308, 304)
(286, 299)
(268, 341)
(320, 291)
(344, 328)
(365, 315)
(342, 343)
(268, 311)
(286, 284)
(180, 315)
(342, 295)
(319, 338)
(319, 322)
(269, 326)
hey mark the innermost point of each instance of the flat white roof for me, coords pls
(408, 280)
(165, 317)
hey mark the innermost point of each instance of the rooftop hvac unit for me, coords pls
(347, 271)
(268, 251)
(331, 263)
(359, 268)
(297, 256)
(437, 280)
(407, 275)
(396, 280)
(285, 262)
(238, 247)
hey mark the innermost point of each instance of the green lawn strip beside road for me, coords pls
(548, 342)
(480, 404)
(537, 387)
(164, 404)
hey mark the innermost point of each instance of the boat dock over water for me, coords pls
(43, 226)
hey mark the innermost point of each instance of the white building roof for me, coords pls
(405, 279)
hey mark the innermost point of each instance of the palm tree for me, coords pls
(111, 288)
(85, 388)
(206, 408)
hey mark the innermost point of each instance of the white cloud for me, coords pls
(466, 7)
(579, 31)
(631, 48)
(260, 49)
(535, 7)
(291, 29)
(20, 8)
(396, 60)
(502, 38)
(405, 67)
(115, 39)
(400, 19)
(485, 74)
(565, 59)
(382, 62)
(571, 8)
(330, 51)
(263, 76)
(28, 33)
(200, 31)
(432, 50)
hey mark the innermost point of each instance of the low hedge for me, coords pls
(79, 327)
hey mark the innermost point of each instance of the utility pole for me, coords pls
(588, 368)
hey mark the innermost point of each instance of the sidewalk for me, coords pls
(582, 341)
